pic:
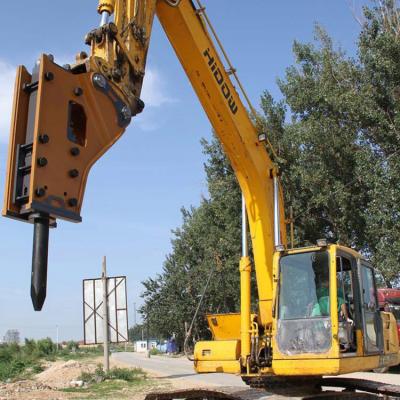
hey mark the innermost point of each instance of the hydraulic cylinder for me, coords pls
(245, 303)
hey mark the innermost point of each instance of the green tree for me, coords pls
(207, 242)
(139, 332)
(379, 52)
(318, 148)
(338, 144)
(46, 346)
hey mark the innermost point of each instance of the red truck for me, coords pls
(389, 300)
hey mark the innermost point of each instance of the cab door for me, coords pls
(372, 324)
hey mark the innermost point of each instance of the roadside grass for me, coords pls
(121, 382)
(18, 361)
(155, 352)
(19, 369)
(22, 362)
(66, 354)
(125, 374)
(109, 390)
(107, 387)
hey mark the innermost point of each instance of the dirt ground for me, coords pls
(49, 384)
(58, 375)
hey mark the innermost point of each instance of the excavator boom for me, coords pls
(51, 152)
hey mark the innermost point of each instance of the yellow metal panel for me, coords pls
(106, 6)
(367, 363)
(390, 336)
(352, 364)
(332, 366)
(229, 367)
(359, 342)
(350, 251)
(221, 350)
(17, 137)
(303, 250)
(224, 326)
(251, 163)
(306, 367)
(335, 349)
(245, 305)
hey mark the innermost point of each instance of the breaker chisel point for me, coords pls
(39, 260)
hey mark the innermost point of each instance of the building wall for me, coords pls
(140, 346)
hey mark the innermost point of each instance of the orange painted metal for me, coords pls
(64, 100)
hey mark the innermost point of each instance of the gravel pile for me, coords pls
(60, 374)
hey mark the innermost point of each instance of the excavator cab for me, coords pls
(325, 318)
(327, 314)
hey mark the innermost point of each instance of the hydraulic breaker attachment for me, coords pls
(63, 121)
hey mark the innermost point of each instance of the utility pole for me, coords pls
(148, 335)
(105, 317)
(57, 338)
(134, 314)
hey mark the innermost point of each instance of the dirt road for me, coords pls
(181, 369)
(177, 369)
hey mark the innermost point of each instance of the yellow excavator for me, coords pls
(317, 310)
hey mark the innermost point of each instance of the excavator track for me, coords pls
(227, 393)
(346, 388)
(236, 393)
(280, 385)
(364, 385)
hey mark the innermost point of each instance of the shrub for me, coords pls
(46, 346)
(154, 351)
(125, 374)
(37, 368)
(18, 364)
(5, 354)
(30, 346)
(72, 345)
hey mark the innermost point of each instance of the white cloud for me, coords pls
(7, 76)
(155, 95)
(154, 89)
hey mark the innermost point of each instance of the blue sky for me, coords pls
(135, 192)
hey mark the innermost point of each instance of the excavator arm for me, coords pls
(186, 28)
(66, 118)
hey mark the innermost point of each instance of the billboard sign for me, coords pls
(93, 310)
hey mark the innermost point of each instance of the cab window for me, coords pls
(304, 285)
(345, 288)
